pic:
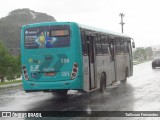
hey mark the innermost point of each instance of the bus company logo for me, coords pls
(30, 32)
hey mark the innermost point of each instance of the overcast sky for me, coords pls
(142, 17)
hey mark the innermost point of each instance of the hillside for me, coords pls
(11, 24)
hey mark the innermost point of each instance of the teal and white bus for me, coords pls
(62, 56)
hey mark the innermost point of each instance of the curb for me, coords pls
(10, 85)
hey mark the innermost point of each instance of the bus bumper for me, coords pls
(75, 84)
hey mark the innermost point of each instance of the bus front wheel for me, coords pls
(103, 83)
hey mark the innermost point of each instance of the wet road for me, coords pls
(141, 93)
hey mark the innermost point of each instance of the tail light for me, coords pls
(25, 73)
(74, 71)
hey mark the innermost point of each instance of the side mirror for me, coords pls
(133, 44)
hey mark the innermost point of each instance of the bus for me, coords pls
(61, 56)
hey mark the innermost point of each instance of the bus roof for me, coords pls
(104, 31)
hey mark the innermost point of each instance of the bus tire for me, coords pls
(103, 83)
(60, 93)
(125, 79)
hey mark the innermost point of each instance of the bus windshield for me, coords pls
(47, 37)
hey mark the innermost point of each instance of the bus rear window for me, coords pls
(59, 33)
(47, 37)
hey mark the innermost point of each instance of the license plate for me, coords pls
(50, 74)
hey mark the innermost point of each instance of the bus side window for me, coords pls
(84, 44)
(122, 45)
(105, 45)
(125, 45)
(111, 47)
(117, 45)
(128, 46)
(107, 42)
(98, 45)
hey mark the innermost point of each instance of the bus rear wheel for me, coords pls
(103, 83)
(125, 79)
(60, 93)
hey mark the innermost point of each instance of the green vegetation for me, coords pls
(142, 54)
(11, 82)
(10, 66)
(136, 62)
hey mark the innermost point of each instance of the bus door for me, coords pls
(91, 56)
(112, 59)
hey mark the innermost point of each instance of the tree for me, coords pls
(142, 54)
(10, 66)
(13, 67)
(149, 53)
(2, 62)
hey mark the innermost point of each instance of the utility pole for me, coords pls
(122, 23)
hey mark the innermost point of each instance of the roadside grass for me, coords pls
(11, 82)
(137, 62)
